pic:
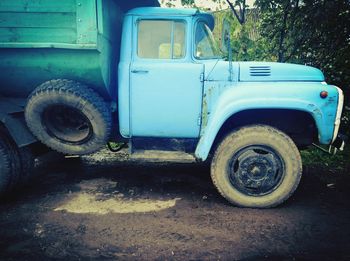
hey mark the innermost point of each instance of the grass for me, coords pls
(339, 162)
(316, 157)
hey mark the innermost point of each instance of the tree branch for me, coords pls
(241, 15)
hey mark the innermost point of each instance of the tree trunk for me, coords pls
(281, 49)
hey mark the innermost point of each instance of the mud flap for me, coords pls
(12, 118)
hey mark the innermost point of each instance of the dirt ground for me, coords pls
(104, 207)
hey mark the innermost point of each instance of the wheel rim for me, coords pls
(67, 124)
(256, 170)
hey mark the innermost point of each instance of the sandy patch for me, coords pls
(90, 200)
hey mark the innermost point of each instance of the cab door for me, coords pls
(166, 86)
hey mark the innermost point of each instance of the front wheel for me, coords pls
(256, 166)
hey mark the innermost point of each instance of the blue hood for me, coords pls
(271, 72)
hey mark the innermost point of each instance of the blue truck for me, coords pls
(157, 81)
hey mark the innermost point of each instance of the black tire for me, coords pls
(68, 117)
(10, 166)
(256, 166)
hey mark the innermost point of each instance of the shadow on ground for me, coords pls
(107, 208)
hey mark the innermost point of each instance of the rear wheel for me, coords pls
(256, 166)
(10, 165)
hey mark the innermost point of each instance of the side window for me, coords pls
(161, 39)
(206, 47)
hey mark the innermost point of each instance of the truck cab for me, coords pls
(174, 82)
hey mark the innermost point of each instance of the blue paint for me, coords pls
(167, 108)
(219, 71)
(269, 72)
(124, 77)
(191, 98)
(226, 100)
(165, 101)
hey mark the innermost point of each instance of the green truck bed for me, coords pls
(42, 40)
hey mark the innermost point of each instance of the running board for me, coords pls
(162, 156)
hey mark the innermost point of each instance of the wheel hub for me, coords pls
(256, 170)
(67, 124)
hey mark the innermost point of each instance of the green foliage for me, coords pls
(278, 26)
(191, 3)
(246, 41)
(170, 3)
(312, 32)
(315, 157)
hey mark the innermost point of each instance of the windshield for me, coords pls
(206, 47)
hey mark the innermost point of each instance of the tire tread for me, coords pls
(85, 95)
(242, 133)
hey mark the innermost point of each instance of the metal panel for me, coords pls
(268, 71)
(86, 21)
(24, 69)
(15, 6)
(38, 20)
(110, 18)
(18, 130)
(30, 35)
(44, 21)
(302, 96)
(163, 103)
(11, 115)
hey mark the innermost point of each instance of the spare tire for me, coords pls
(68, 117)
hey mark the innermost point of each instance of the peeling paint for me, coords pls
(204, 113)
(317, 112)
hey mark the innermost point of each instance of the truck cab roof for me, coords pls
(164, 12)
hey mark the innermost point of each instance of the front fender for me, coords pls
(246, 96)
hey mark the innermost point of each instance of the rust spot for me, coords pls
(317, 112)
(204, 112)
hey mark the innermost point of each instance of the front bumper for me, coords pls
(338, 115)
(339, 142)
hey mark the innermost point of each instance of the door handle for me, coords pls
(140, 71)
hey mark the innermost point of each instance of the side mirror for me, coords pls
(225, 37)
(226, 45)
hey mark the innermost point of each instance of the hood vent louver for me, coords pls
(260, 71)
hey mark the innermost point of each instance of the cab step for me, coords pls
(162, 156)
